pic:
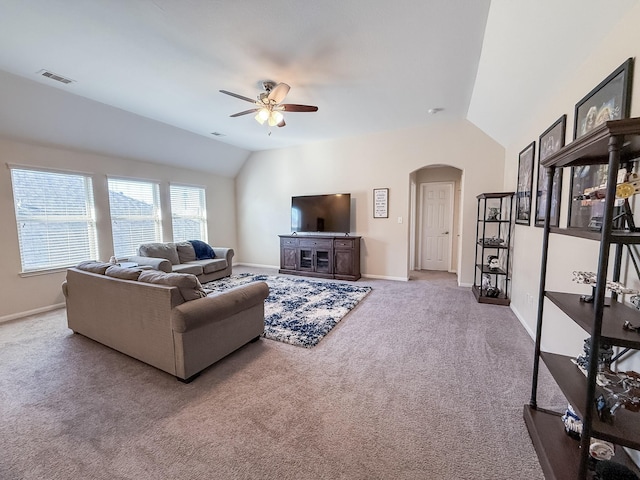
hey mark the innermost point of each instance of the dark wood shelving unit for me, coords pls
(486, 228)
(562, 457)
(321, 256)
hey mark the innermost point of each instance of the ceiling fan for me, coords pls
(268, 106)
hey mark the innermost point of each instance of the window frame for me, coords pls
(200, 218)
(49, 219)
(155, 216)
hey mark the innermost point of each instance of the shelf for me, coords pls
(593, 148)
(613, 143)
(613, 318)
(617, 236)
(499, 300)
(486, 269)
(495, 195)
(626, 427)
(500, 247)
(559, 454)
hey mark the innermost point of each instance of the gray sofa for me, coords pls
(181, 258)
(163, 319)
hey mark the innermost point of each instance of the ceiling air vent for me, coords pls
(55, 76)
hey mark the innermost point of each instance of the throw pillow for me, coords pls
(123, 273)
(202, 249)
(93, 266)
(188, 284)
(167, 251)
(186, 253)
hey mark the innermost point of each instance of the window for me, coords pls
(188, 212)
(56, 218)
(135, 215)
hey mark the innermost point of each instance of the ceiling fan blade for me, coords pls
(246, 112)
(279, 92)
(292, 107)
(241, 97)
(281, 124)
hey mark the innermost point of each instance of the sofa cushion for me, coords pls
(160, 250)
(203, 250)
(188, 268)
(124, 273)
(186, 253)
(189, 286)
(211, 266)
(93, 266)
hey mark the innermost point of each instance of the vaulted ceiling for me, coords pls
(149, 71)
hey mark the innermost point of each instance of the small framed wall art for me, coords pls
(550, 142)
(525, 184)
(380, 203)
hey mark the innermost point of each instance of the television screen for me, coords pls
(321, 213)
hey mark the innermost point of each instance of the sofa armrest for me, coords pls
(161, 264)
(224, 253)
(195, 313)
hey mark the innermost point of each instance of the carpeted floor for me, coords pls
(417, 382)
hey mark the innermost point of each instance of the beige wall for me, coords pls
(358, 165)
(567, 253)
(33, 293)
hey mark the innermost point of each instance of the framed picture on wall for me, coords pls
(610, 100)
(525, 184)
(380, 203)
(550, 142)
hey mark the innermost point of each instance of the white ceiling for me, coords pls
(369, 66)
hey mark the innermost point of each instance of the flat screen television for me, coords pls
(321, 213)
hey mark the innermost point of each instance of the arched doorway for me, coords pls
(435, 218)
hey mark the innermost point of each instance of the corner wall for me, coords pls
(269, 179)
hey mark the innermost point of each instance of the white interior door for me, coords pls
(436, 220)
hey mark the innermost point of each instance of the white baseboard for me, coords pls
(14, 316)
(255, 265)
(378, 277)
(531, 333)
(464, 284)
(385, 277)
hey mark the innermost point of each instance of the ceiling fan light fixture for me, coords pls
(262, 116)
(278, 117)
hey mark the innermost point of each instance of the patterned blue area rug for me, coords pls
(298, 311)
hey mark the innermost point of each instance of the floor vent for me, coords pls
(55, 76)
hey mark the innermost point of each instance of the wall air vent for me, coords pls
(55, 76)
(218, 134)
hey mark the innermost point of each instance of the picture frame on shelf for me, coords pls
(586, 213)
(525, 184)
(609, 100)
(551, 140)
(380, 203)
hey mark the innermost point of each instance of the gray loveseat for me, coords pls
(163, 319)
(181, 258)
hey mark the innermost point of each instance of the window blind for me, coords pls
(135, 214)
(188, 213)
(55, 217)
